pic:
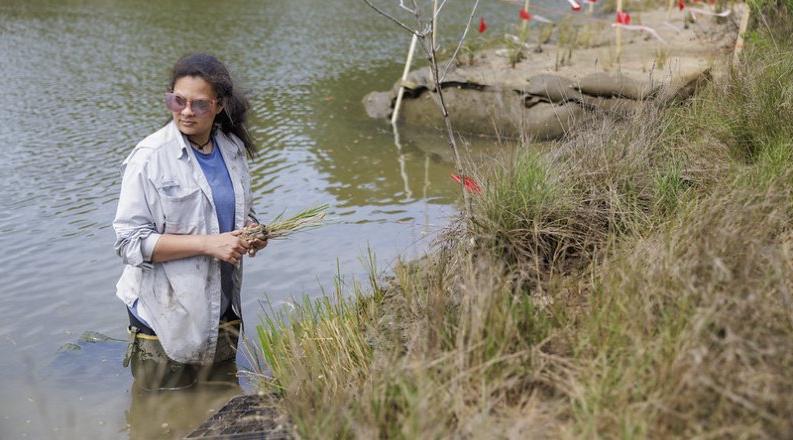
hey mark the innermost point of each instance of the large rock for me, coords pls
(552, 88)
(378, 105)
(491, 111)
(542, 98)
(615, 85)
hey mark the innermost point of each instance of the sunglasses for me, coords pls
(176, 103)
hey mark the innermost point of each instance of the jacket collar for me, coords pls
(174, 137)
(228, 147)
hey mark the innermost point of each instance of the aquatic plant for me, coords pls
(568, 42)
(516, 45)
(473, 45)
(281, 227)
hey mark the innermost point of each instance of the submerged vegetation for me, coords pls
(632, 280)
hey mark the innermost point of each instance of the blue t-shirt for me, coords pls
(223, 195)
(219, 181)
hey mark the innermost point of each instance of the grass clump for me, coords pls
(688, 325)
(633, 280)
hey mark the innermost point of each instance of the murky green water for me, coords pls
(82, 82)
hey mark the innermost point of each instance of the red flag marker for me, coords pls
(681, 4)
(623, 18)
(482, 25)
(468, 183)
(524, 15)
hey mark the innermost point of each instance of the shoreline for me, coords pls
(628, 282)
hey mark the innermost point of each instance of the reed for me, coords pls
(281, 227)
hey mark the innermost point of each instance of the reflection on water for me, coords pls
(82, 83)
(85, 372)
(162, 414)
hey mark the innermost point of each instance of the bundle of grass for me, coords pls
(281, 227)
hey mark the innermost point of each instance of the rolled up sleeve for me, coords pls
(136, 233)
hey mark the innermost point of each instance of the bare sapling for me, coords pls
(426, 30)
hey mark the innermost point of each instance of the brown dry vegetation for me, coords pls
(633, 280)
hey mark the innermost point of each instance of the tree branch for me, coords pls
(443, 3)
(402, 5)
(460, 43)
(392, 18)
(445, 113)
(429, 45)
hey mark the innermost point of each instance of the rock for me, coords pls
(685, 84)
(378, 105)
(618, 106)
(94, 337)
(552, 88)
(243, 417)
(492, 110)
(551, 121)
(543, 98)
(69, 347)
(615, 85)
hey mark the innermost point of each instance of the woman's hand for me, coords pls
(256, 244)
(227, 247)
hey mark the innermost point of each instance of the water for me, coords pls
(82, 82)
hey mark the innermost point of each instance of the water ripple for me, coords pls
(83, 83)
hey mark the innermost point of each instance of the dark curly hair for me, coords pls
(235, 104)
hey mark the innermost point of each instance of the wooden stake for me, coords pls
(434, 23)
(736, 56)
(401, 159)
(401, 92)
(619, 33)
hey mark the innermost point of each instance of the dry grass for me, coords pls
(280, 227)
(695, 323)
(632, 281)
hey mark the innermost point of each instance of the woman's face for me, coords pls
(196, 118)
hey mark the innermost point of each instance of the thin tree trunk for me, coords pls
(430, 49)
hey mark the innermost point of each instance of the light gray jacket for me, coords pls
(164, 191)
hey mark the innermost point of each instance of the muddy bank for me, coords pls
(556, 86)
(244, 417)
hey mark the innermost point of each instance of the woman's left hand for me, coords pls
(256, 244)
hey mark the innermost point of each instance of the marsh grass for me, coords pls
(633, 280)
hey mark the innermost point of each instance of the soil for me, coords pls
(243, 417)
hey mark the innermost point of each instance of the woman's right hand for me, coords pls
(227, 247)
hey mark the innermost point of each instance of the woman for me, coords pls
(184, 196)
